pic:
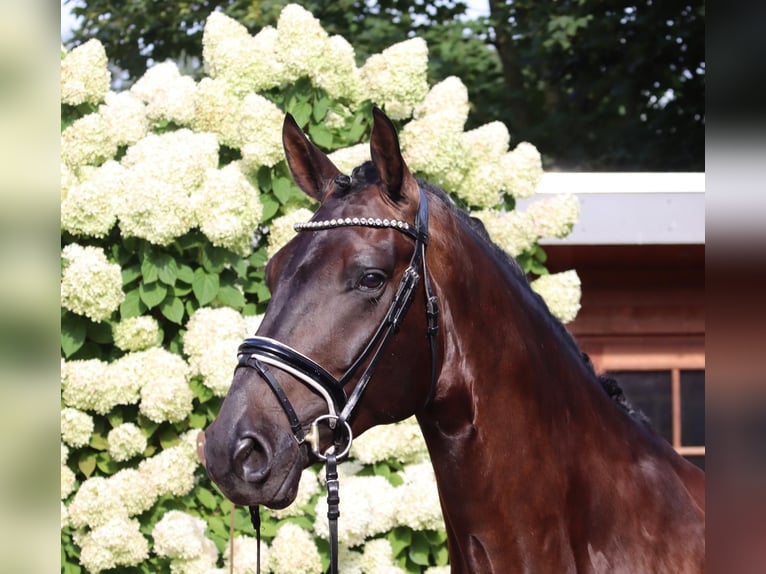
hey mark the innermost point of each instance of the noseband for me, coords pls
(259, 353)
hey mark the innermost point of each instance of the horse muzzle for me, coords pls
(252, 466)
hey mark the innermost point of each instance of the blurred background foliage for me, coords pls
(602, 85)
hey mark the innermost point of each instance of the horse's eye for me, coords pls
(371, 281)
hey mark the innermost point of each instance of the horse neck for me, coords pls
(515, 403)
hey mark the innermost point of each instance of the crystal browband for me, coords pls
(363, 221)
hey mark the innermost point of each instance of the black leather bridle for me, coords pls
(259, 353)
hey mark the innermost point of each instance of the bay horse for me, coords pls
(538, 469)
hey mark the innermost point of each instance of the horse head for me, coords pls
(340, 291)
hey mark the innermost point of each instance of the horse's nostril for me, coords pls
(251, 459)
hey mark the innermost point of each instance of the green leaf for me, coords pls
(132, 306)
(400, 538)
(207, 498)
(320, 135)
(167, 270)
(98, 442)
(419, 549)
(282, 189)
(172, 308)
(231, 296)
(152, 294)
(73, 330)
(197, 421)
(130, 274)
(320, 108)
(168, 437)
(213, 258)
(270, 207)
(106, 464)
(149, 269)
(301, 112)
(262, 292)
(185, 273)
(100, 333)
(205, 286)
(87, 463)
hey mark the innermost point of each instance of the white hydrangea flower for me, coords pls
(79, 382)
(349, 561)
(172, 470)
(447, 101)
(95, 503)
(137, 333)
(397, 77)
(228, 209)
(137, 495)
(523, 168)
(301, 42)
(179, 535)
(68, 481)
(417, 500)
(246, 63)
(281, 231)
(163, 171)
(166, 396)
(438, 570)
(76, 427)
(561, 292)
(260, 132)
(246, 555)
(125, 441)
(64, 453)
(369, 504)
(217, 110)
(88, 141)
(211, 341)
(432, 143)
(378, 558)
(555, 216)
(293, 550)
(337, 73)
(155, 209)
(252, 322)
(482, 185)
(126, 114)
(347, 158)
(68, 180)
(402, 441)
(513, 231)
(84, 74)
(487, 143)
(205, 563)
(307, 487)
(89, 207)
(168, 95)
(64, 516)
(90, 285)
(119, 542)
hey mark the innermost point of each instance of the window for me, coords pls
(674, 401)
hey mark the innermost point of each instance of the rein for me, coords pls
(258, 353)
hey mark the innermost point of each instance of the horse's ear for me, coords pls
(312, 170)
(388, 160)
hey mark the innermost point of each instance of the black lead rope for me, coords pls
(255, 519)
(333, 507)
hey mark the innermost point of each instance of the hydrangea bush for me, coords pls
(174, 194)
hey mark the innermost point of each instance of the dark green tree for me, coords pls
(605, 84)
